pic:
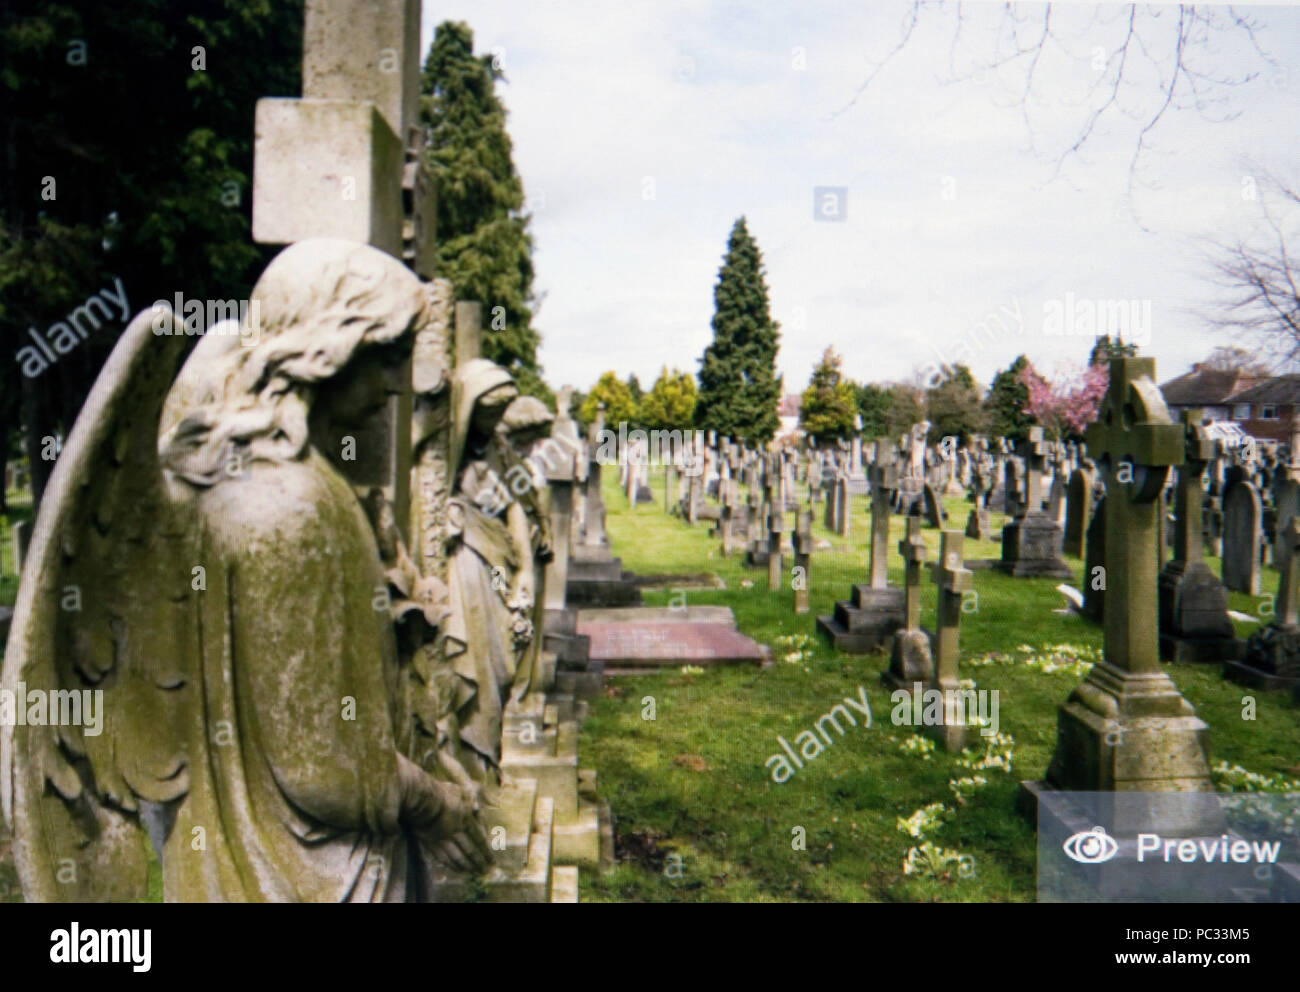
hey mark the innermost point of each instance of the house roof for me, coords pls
(1282, 390)
(1207, 387)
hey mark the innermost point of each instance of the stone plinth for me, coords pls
(866, 622)
(1031, 547)
(1194, 624)
(1270, 659)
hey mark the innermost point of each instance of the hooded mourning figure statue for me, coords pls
(257, 723)
(491, 573)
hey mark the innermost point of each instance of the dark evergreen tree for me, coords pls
(1006, 402)
(889, 410)
(906, 409)
(127, 149)
(1105, 349)
(739, 387)
(874, 403)
(484, 247)
(953, 406)
(829, 404)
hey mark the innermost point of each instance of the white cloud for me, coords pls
(705, 100)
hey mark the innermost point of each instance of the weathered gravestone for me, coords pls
(1271, 659)
(1194, 623)
(875, 611)
(756, 553)
(843, 506)
(803, 548)
(1127, 728)
(1078, 510)
(572, 651)
(1031, 543)
(775, 530)
(909, 660)
(1242, 519)
(935, 514)
(954, 580)
(1056, 500)
(1094, 565)
(982, 468)
(596, 577)
(727, 515)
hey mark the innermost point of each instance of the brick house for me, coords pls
(1264, 411)
(1212, 390)
(1261, 406)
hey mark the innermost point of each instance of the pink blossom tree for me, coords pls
(1067, 402)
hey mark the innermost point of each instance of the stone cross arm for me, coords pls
(1133, 426)
(951, 574)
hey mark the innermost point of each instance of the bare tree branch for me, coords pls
(1259, 275)
(1179, 51)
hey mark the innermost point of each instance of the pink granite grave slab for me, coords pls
(649, 645)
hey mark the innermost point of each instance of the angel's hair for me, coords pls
(320, 302)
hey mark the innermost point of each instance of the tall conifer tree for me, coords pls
(484, 247)
(739, 386)
(1006, 402)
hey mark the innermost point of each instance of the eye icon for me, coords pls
(1091, 847)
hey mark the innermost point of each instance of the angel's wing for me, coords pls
(103, 641)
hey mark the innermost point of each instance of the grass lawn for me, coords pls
(728, 832)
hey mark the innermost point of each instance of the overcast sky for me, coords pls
(642, 130)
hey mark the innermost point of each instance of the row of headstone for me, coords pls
(595, 576)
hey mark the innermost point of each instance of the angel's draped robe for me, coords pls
(298, 766)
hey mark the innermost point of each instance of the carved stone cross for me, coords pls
(1135, 443)
(1127, 728)
(912, 549)
(954, 581)
(884, 481)
(346, 161)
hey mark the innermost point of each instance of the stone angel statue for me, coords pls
(202, 560)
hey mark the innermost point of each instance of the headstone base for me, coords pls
(866, 622)
(909, 660)
(1199, 650)
(1031, 547)
(597, 578)
(1130, 731)
(978, 525)
(1194, 623)
(1269, 660)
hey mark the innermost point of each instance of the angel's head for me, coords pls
(335, 333)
